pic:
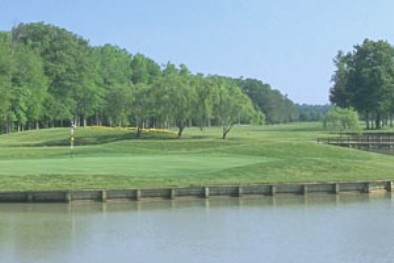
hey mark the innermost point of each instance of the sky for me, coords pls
(286, 43)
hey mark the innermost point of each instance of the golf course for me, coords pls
(113, 158)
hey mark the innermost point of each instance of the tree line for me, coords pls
(313, 113)
(51, 77)
(364, 80)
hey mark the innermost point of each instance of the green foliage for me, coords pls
(364, 79)
(119, 104)
(174, 100)
(341, 119)
(23, 84)
(51, 77)
(312, 113)
(206, 95)
(276, 107)
(5, 78)
(65, 60)
(232, 105)
(144, 69)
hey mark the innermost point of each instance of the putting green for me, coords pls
(152, 165)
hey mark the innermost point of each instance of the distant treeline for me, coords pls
(51, 77)
(310, 113)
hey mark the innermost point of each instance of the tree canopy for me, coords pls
(51, 77)
(364, 80)
(341, 119)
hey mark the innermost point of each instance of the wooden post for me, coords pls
(336, 188)
(103, 196)
(368, 187)
(240, 191)
(172, 194)
(304, 189)
(273, 190)
(390, 187)
(67, 197)
(206, 192)
(138, 195)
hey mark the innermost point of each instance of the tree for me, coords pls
(174, 99)
(144, 70)
(170, 69)
(341, 119)
(119, 104)
(65, 62)
(276, 106)
(29, 87)
(5, 79)
(232, 105)
(364, 79)
(206, 95)
(111, 69)
(114, 64)
(340, 93)
(23, 84)
(143, 104)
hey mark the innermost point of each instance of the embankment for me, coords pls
(197, 192)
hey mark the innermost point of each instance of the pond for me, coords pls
(326, 228)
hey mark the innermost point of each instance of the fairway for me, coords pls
(106, 158)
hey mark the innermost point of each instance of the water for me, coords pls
(330, 228)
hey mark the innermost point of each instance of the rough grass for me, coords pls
(113, 158)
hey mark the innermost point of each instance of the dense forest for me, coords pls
(51, 77)
(364, 80)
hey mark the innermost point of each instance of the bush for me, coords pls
(341, 119)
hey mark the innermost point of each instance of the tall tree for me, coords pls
(29, 87)
(174, 99)
(113, 66)
(142, 108)
(206, 96)
(63, 54)
(364, 79)
(232, 105)
(119, 104)
(5, 80)
(339, 93)
(23, 84)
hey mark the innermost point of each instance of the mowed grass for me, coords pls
(107, 158)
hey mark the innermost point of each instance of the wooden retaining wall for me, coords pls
(196, 192)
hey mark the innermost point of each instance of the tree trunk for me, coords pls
(378, 121)
(138, 131)
(226, 130)
(367, 121)
(181, 126)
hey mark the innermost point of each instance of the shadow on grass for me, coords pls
(100, 139)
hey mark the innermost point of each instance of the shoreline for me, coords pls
(150, 194)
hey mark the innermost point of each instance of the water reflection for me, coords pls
(345, 228)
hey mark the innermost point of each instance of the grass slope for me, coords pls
(112, 158)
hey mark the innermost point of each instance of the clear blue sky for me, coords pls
(288, 44)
